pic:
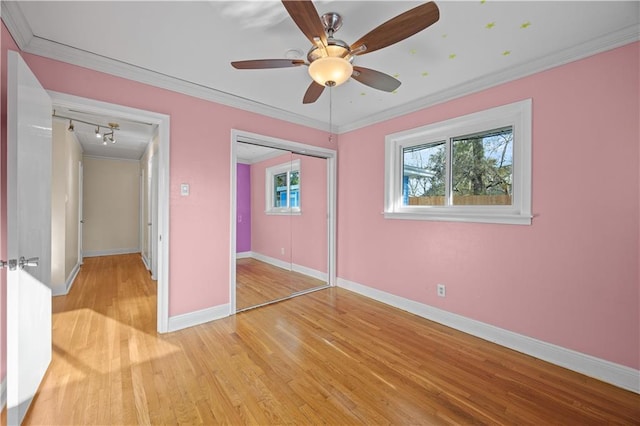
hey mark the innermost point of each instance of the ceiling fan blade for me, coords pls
(376, 79)
(306, 17)
(313, 93)
(258, 64)
(397, 29)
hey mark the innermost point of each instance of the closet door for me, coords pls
(309, 226)
(264, 204)
(287, 252)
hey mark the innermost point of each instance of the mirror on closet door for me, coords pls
(281, 225)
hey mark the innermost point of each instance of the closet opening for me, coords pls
(283, 220)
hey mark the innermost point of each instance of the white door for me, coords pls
(28, 236)
(80, 211)
(145, 223)
(153, 219)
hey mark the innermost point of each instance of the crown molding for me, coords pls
(60, 52)
(610, 41)
(28, 42)
(16, 23)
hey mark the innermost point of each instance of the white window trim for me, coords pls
(517, 115)
(270, 172)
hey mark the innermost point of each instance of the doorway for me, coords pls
(160, 244)
(290, 249)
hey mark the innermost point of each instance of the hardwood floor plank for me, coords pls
(328, 357)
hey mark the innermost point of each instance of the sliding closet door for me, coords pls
(309, 226)
(263, 258)
(286, 253)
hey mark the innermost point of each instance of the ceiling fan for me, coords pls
(330, 60)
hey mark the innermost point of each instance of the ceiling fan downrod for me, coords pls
(332, 22)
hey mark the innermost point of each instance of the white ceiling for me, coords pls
(188, 47)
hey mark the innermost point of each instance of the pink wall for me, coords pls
(571, 278)
(304, 237)
(243, 208)
(200, 155)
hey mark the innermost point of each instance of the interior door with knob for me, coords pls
(28, 236)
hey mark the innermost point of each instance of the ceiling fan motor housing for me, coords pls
(335, 49)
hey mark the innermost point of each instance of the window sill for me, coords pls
(502, 218)
(283, 212)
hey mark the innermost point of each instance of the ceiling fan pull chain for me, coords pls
(330, 114)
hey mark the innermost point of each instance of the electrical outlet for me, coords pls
(442, 291)
(282, 250)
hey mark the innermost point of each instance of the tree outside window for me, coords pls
(481, 171)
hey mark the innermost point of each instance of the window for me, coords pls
(475, 168)
(283, 188)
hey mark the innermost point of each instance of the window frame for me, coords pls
(517, 115)
(270, 173)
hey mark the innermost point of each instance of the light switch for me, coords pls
(184, 189)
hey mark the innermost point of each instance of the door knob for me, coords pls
(32, 261)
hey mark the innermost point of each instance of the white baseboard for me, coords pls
(271, 260)
(190, 319)
(72, 277)
(109, 252)
(3, 393)
(55, 291)
(309, 272)
(607, 371)
(145, 261)
(244, 254)
(288, 266)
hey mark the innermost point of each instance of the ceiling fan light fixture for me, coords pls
(330, 71)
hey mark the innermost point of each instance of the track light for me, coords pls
(107, 135)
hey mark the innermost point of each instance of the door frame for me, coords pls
(298, 148)
(163, 121)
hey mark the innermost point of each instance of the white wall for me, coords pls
(111, 206)
(66, 154)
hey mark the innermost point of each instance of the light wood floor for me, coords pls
(258, 283)
(330, 357)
